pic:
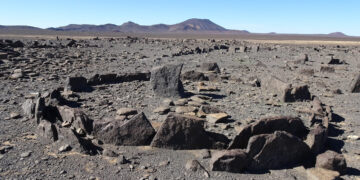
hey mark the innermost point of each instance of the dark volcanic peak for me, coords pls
(197, 25)
(337, 34)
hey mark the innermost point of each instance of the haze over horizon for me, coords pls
(258, 16)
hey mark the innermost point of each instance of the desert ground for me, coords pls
(173, 107)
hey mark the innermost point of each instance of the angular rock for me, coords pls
(39, 109)
(165, 80)
(277, 150)
(68, 137)
(331, 160)
(162, 110)
(235, 161)
(182, 132)
(75, 117)
(217, 117)
(135, 132)
(210, 66)
(355, 85)
(46, 131)
(126, 111)
(292, 125)
(28, 108)
(316, 138)
(185, 109)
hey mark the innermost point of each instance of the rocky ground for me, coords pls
(133, 120)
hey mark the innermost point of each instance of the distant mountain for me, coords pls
(337, 34)
(191, 25)
(19, 28)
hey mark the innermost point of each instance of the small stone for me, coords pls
(66, 124)
(64, 148)
(216, 117)
(14, 115)
(353, 137)
(80, 131)
(185, 109)
(122, 160)
(162, 110)
(25, 154)
(164, 163)
(126, 111)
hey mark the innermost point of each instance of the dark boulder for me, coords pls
(134, 132)
(165, 80)
(183, 132)
(235, 161)
(292, 125)
(277, 150)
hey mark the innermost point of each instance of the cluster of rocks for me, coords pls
(269, 143)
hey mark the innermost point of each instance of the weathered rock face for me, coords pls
(285, 91)
(292, 125)
(210, 66)
(165, 80)
(47, 131)
(235, 160)
(331, 160)
(77, 84)
(316, 138)
(28, 108)
(355, 86)
(76, 118)
(68, 137)
(277, 150)
(134, 132)
(183, 132)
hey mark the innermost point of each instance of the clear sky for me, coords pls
(281, 16)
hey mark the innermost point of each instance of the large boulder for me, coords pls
(165, 80)
(183, 132)
(235, 160)
(292, 125)
(134, 132)
(331, 160)
(277, 150)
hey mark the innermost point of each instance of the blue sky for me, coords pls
(282, 16)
